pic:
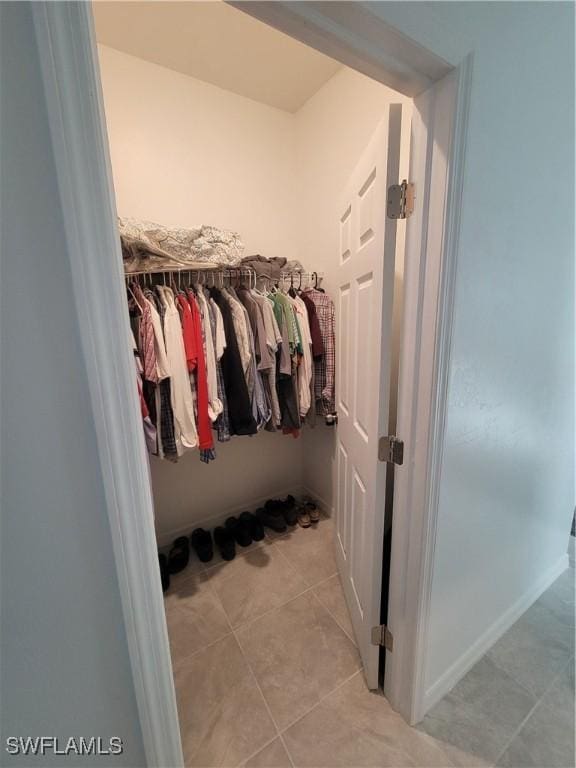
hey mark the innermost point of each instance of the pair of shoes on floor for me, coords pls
(308, 514)
(179, 555)
(201, 541)
(242, 530)
(277, 514)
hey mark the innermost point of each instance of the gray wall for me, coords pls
(507, 489)
(65, 669)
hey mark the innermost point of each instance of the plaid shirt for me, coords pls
(325, 367)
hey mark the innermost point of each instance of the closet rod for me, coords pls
(223, 270)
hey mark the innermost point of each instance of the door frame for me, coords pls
(351, 33)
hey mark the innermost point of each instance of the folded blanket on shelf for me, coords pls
(147, 246)
(269, 268)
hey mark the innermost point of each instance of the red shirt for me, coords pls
(198, 360)
(187, 331)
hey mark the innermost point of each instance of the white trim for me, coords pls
(483, 644)
(440, 122)
(69, 66)
(356, 36)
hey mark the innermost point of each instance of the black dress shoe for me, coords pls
(202, 544)
(289, 510)
(253, 524)
(224, 540)
(272, 519)
(240, 531)
(179, 555)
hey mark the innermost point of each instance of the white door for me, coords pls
(363, 332)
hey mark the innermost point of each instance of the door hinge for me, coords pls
(382, 636)
(401, 200)
(391, 449)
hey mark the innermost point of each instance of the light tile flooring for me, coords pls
(515, 708)
(267, 674)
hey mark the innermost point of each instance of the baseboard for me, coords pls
(465, 663)
(165, 538)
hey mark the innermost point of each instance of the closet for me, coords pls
(222, 127)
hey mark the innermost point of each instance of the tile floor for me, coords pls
(267, 674)
(515, 707)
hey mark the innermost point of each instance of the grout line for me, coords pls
(245, 624)
(204, 571)
(198, 650)
(321, 700)
(531, 712)
(270, 741)
(272, 718)
(329, 612)
(280, 733)
(281, 605)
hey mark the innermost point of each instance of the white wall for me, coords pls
(507, 489)
(332, 130)
(64, 661)
(186, 152)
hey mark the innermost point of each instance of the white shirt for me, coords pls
(180, 391)
(305, 368)
(215, 406)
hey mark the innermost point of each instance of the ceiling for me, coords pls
(219, 44)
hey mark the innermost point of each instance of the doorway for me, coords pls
(135, 424)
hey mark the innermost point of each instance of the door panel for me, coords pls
(364, 327)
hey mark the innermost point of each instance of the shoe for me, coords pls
(239, 531)
(303, 518)
(179, 555)
(202, 544)
(164, 573)
(313, 511)
(224, 540)
(271, 519)
(289, 510)
(253, 524)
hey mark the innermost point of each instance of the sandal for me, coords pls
(202, 544)
(303, 518)
(179, 555)
(239, 531)
(224, 540)
(253, 524)
(313, 511)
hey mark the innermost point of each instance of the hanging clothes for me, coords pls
(305, 366)
(222, 422)
(233, 360)
(240, 415)
(163, 396)
(214, 403)
(182, 404)
(324, 368)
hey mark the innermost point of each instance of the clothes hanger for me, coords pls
(134, 297)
